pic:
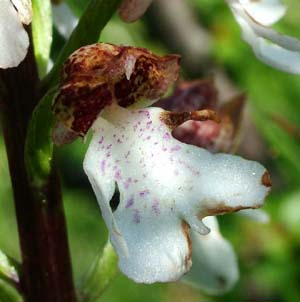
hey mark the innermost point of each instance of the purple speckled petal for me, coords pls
(166, 187)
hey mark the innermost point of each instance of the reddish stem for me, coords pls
(46, 266)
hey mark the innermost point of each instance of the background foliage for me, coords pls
(268, 254)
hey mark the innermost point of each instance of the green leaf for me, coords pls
(8, 293)
(39, 146)
(102, 272)
(42, 33)
(77, 6)
(87, 31)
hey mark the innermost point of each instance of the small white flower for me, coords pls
(273, 48)
(14, 40)
(166, 187)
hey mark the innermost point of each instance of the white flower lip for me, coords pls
(14, 40)
(277, 50)
(166, 188)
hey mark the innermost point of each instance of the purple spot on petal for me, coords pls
(144, 193)
(155, 207)
(167, 136)
(127, 182)
(129, 202)
(103, 163)
(145, 112)
(101, 140)
(136, 216)
(148, 124)
(175, 148)
(118, 175)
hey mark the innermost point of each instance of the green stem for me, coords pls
(90, 25)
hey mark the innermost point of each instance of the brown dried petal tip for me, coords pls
(266, 179)
(186, 231)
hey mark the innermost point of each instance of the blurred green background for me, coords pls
(269, 255)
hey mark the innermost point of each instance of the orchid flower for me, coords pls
(166, 187)
(255, 18)
(14, 40)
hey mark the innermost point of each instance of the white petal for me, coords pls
(265, 12)
(277, 50)
(13, 38)
(164, 186)
(215, 267)
(131, 10)
(104, 194)
(24, 9)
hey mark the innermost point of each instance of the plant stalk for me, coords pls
(46, 274)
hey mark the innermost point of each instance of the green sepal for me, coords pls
(101, 274)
